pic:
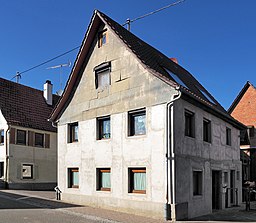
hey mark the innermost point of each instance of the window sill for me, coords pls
(190, 137)
(136, 136)
(104, 190)
(197, 197)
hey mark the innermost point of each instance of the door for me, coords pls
(232, 186)
(215, 189)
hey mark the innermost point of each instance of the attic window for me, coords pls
(102, 38)
(206, 95)
(102, 75)
(176, 78)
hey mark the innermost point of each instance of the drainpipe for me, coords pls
(7, 156)
(170, 161)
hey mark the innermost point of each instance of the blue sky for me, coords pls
(215, 40)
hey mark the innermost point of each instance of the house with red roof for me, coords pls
(138, 133)
(28, 147)
(243, 109)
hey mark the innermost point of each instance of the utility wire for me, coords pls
(39, 65)
(151, 13)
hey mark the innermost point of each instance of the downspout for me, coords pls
(170, 161)
(7, 156)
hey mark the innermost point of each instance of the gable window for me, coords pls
(27, 171)
(39, 140)
(103, 179)
(2, 136)
(102, 75)
(21, 137)
(102, 38)
(73, 177)
(207, 130)
(197, 183)
(103, 128)
(137, 122)
(228, 136)
(73, 132)
(137, 180)
(189, 124)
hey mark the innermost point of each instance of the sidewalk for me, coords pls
(46, 199)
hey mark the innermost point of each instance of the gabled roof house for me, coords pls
(243, 109)
(138, 132)
(28, 157)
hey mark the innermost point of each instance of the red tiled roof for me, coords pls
(25, 106)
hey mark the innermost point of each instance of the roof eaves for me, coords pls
(239, 97)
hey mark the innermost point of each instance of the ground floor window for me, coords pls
(137, 180)
(103, 179)
(73, 177)
(27, 171)
(197, 183)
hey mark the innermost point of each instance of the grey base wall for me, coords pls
(32, 186)
(143, 208)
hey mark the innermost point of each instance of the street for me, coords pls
(17, 206)
(19, 209)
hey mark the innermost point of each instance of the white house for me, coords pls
(138, 133)
(28, 149)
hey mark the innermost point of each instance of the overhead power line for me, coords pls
(41, 64)
(129, 21)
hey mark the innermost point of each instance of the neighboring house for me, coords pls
(137, 131)
(28, 150)
(244, 110)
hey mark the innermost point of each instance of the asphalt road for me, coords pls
(14, 209)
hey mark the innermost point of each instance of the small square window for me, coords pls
(27, 171)
(103, 179)
(21, 137)
(2, 136)
(137, 122)
(102, 78)
(102, 38)
(39, 140)
(73, 177)
(137, 180)
(228, 136)
(207, 130)
(73, 132)
(103, 128)
(197, 183)
(189, 124)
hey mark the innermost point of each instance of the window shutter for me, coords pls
(47, 141)
(12, 135)
(31, 141)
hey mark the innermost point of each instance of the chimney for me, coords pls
(174, 60)
(48, 92)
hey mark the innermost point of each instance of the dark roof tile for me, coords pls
(25, 106)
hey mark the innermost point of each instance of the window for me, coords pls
(39, 140)
(21, 137)
(137, 122)
(103, 179)
(2, 136)
(27, 171)
(137, 180)
(73, 177)
(102, 38)
(176, 78)
(189, 124)
(1, 169)
(102, 75)
(103, 128)
(197, 183)
(73, 132)
(207, 130)
(228, 136)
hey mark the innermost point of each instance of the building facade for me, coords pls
(28, 149)
(138, 133)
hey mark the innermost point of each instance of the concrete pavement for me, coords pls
(46, 199)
